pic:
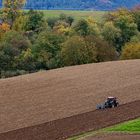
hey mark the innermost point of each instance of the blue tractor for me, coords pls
(109, 103)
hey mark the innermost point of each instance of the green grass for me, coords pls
(97, 15)
(126, 127)
(130, 126)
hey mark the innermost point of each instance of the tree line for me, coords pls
(29, 42)
(80, 4)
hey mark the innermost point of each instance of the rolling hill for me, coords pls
(45, 96)
(0, 3)
(80, 4)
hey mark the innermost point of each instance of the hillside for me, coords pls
(0, 3)
(44, 96)
(81, 4)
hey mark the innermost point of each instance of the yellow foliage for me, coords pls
(61, 29)
(131, 51)
(120, 13)
(12, 9)
(91, 20)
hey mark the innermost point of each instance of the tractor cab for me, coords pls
(111, 102)
(110, 99)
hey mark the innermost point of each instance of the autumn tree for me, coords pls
(20, 23)
(61, 27)
(4, 27)
(93, 27)
(11, 10)
(131, 51)
(123, 23)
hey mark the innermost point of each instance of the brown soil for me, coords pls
(115, 137)
(46, 96)
(67, 127)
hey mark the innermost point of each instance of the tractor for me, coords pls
(109, 103)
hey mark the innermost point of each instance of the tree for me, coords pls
(10, 49)
(85, 27)
(12, 9)
(4, 27)
(17, 41)
(82, 28)
(69, 20)
(46, 50)
(136, 14)
(105, 51)
(35, 21)
(62, 16)
(123, 20)
(131, 51)
(61, 27)
(25, 61)
(76, 51)
(20, 23)
(52, 21)
(128, 28)
(93, 27)
(112, 35)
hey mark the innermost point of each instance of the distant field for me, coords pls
(97, 15)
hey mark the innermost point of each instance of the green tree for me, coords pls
(46, 49)
(112, 35)
(136, 14)
(76, 51)
(52, 21)
(35, 21)
(85, 27)
(11, 47)
(67, 19)
(70, 20)
(82, 28)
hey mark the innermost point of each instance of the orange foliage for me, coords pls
(4, 27)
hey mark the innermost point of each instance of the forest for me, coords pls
(0, 3)
(29, 42)
(80, 4)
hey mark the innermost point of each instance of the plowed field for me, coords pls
(46, 96)
(67, 127)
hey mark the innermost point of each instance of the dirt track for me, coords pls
(65, 128)
(45, 96)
